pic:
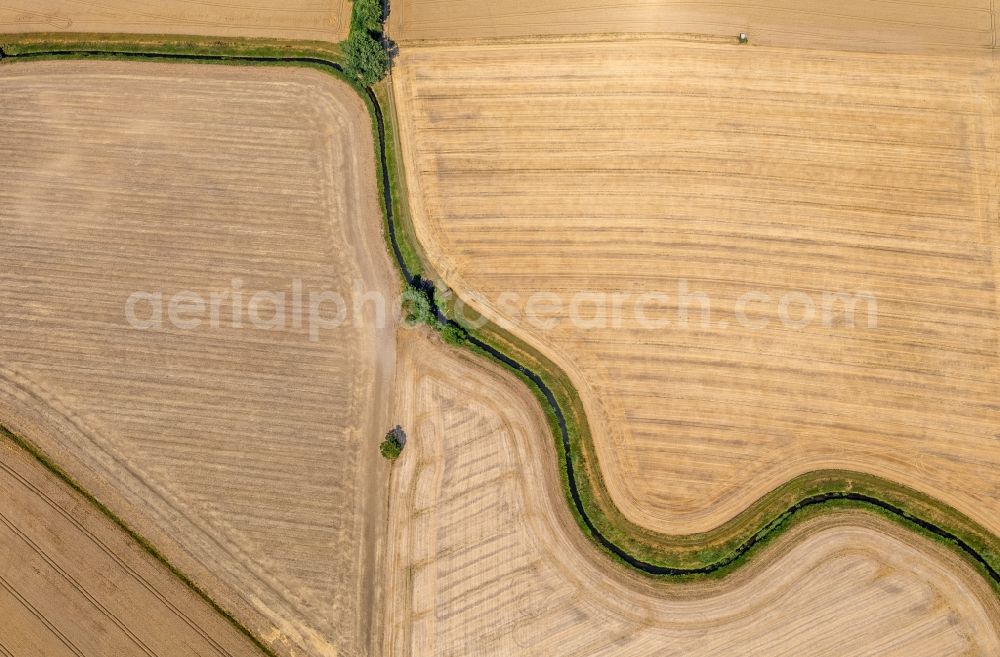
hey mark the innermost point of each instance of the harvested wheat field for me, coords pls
(323, 20)
(244, 451)
(713, 172)
(72, 583)
(487, 560)
(851, 25)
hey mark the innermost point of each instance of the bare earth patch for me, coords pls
(487, 560)
(247, 455)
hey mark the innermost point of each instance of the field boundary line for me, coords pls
(38, 455)
(691, 557)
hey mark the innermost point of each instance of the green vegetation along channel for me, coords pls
(712, 554)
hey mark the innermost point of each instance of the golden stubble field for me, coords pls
(326, 20)
(247, 455)
(72, 583)
(646, 166)
(485, 558)
(852, 24)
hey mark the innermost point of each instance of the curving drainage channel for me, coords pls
(536, 380)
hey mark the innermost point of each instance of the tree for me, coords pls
(367, 16)
(454, 335)
(390, 449)
(367, 59)
(393, 444)
(417, 307)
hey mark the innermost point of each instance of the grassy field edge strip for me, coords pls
(838, 490)
(756, 523)
(42, 458)
(585, 491)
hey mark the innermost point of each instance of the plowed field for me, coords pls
(852, 25)
(326, 20)
(594, 171)
(243, 451)
(487, 561)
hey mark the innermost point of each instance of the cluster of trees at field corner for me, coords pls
(365, 52)
(418, 308)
